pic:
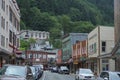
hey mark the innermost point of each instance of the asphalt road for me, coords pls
(56, 76)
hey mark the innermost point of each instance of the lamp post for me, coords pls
(14, 37)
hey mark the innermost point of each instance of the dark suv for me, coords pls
(14, 72)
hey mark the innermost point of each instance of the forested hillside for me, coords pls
(65, 15)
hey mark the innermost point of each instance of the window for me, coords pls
(92, 48)
(10, 15)
(18, 42)
(7, 9)
(10, 36)
(105, 64)
(39, 56)
(39, 35)
(2, 41)
(6, 42)
(33, 55)
(7, 26)
(29, 55)
(2, 22)
(14, 39)
(3, 5)
(44, 56)
(15, 22)
(103, 46)
(36, 55)
(43, 35)
(18, 25)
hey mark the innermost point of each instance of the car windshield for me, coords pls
(13, 70)
(64, 68)
(85, 71)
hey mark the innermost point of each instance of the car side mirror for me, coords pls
(105, 78)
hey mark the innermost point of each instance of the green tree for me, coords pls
(83, 26)
(25, 44)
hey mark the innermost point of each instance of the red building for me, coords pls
(59, 57)
(37, 57)
(79, 54)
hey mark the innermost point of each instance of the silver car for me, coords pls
(109, 75)
(84, 74)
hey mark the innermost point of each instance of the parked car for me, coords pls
(84, 74)
(38, 70)
(109, 75)
(63, 70)
(34, 72)
(13, 72)
(54, 69)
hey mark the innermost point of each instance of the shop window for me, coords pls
(105, 65)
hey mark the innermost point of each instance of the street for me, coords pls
(56, 76)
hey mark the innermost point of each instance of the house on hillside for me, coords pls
(41, 38)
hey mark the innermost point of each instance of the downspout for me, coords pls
(99, 46)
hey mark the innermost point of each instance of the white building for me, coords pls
(40, 35)
(100, 42)
(41, 38)
(9, 27)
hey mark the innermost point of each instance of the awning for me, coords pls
(91, 59)
(4, 52)
(18, 52)
(108, 55)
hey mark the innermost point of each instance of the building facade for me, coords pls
(36, 57)
(41, 38)
(40, 57)
(67, 47)
(59, 57)
(68, 41)
(100, 41)
(80, 54)
(41, 35)
(9, 27)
